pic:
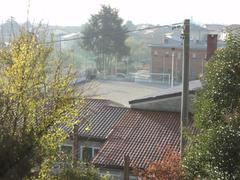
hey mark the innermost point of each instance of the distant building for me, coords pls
(164, 54)
(170, 53)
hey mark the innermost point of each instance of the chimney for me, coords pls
(211, 45)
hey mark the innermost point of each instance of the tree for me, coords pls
(140, 52)
(36, 100)
(81, 172)
(105, 36)
(215, 151)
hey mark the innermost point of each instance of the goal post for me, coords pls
(164, 78)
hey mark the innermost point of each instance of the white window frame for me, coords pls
(69, 145)
(93, 148)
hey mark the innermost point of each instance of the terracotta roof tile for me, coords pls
(99, 115)
(143, 135)
(101, 122)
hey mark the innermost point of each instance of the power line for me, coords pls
(174, 26)
(155, 27)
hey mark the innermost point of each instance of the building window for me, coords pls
(87, 153)
(66, 148)
(155, 53)
(194, 55)
(194, 75)
(165, 41)
(167, 54)
(179, 55)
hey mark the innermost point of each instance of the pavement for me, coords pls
(119, 91)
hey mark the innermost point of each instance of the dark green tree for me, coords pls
(215, 151)
(140, 52)
(105, 35)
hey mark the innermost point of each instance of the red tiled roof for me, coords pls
(100, 116)
(88, 109)
(91, 106)
(142, 135)
(102, 122)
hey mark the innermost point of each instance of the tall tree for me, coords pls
(105, 35)
(215, 151)
(36, 99)
(140, 52)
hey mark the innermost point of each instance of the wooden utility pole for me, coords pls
(172, 74)
(126, 167)
(75, 156)
(185, 83)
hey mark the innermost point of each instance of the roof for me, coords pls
(179, 45)
(142, 135)
(100, 123)
(100, 116)
(170, 92)
(91, 106)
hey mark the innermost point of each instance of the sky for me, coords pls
(77, 12)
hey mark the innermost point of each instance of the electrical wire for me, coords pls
(174, 26)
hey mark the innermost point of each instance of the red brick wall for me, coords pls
(211, 45)
(162, 61)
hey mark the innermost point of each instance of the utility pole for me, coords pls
(126, 167)
(104, 69)
(75, 145)
(172, 78)
(185, 82)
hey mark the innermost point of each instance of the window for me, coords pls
(167, 54)
(132, 178)
(87, 153)
(179, 55)
(194, 56)
(155, 53)
(95, 151)
(165, 41)
(66, 148)
(194, 75)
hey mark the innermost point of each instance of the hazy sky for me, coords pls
(77, 12)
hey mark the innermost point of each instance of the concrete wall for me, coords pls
(172, 104)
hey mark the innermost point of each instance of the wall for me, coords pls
(172, 104)
(162, 61)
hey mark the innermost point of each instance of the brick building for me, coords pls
(164, 54)
(169, 54)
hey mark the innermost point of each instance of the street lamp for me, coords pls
(172, 78)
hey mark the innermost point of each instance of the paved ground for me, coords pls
(119, 91)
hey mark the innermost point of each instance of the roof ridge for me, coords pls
(116, 107)
(139, 110)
